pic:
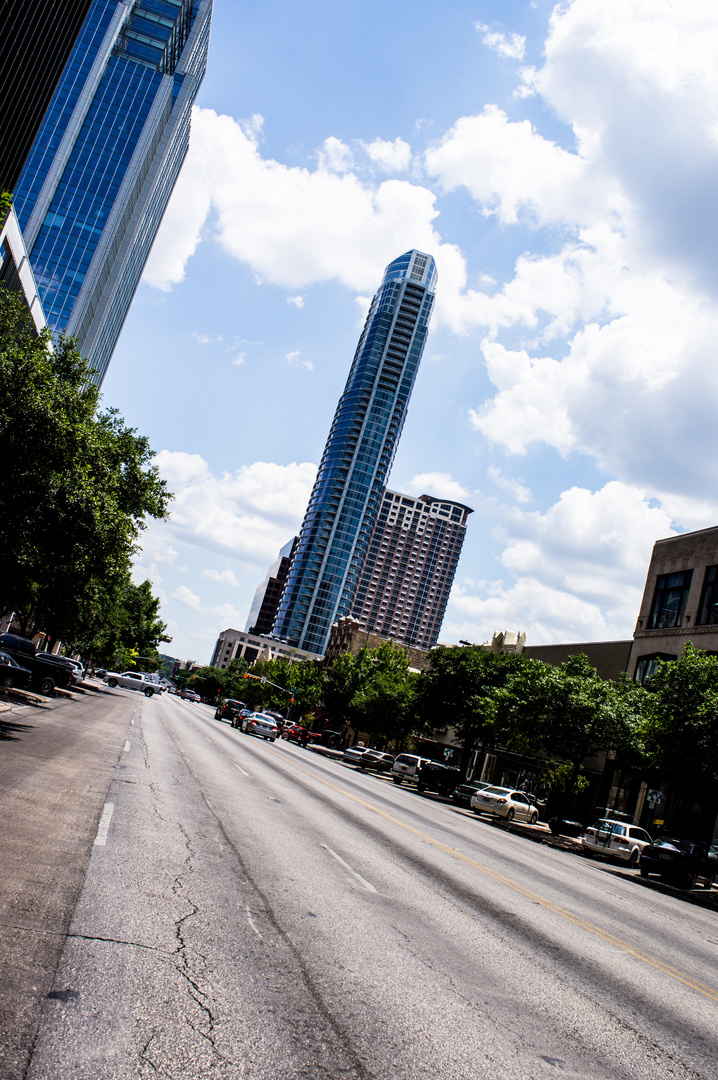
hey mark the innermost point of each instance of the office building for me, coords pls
(266, 599)
(358, 455)
(103, 165)
(409, 568)
(680, 601)
(35, 45)
(236, 644)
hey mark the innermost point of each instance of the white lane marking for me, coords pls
(240, 769)
(346, 866)
(128, 746)
(103, 827)
(132, 720)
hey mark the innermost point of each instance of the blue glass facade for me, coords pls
(358, 455)
(102, 168)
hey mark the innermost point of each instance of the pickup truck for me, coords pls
(133, 680)
(47, 670)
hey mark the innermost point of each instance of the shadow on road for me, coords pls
(11, 730)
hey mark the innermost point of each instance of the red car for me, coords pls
(295, 733)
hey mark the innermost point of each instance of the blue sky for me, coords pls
(560, 165)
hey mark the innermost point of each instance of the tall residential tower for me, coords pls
(103, 165)
(358, 455)
(409, 568)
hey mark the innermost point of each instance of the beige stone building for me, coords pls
(680, 601)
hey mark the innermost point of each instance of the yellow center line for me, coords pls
(596, 931)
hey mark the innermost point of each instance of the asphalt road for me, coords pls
(254, 910)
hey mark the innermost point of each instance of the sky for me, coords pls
(560, 162)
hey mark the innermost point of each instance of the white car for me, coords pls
(405, 767)
(353, 754)
(258, 723)
(133, 680)
(608, 837)
(506, 803)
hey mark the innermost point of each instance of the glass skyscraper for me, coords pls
(101, 170)
(358, 455)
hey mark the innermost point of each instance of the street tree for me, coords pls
(459, 692)
(569, 714)
(76, 484)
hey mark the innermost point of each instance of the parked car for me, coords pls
(405, 767)
(504, 802)
(295, 733)
(610, 837)
(435, 776)
(229, 710)
(462, 794)
(132, 680)
(353, 754)
(325, 738)
(12, 674)
(47, 670)
(258, 723)
(679, 862)
(375, 759)
(78, 671)
(189, 695)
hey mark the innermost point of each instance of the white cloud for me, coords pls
(248, 514)
(187, 597)
(335, 156)
(511, 47)
(239, 359)
(292, 226)
(515, 487)
(226, 577)
(391, 157)
(294, 361)
(576, 571)
(438, 484)
(206, 339)
(297, 301)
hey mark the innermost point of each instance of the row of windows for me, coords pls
(671, 596)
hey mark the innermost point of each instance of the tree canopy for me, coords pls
(75, 488)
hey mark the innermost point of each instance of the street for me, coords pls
(225, 907)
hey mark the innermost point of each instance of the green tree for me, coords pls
(568, 713)
(384, 703)
(75, 487)
(459, 691)
(681, 726)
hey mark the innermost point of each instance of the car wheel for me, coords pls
(148, 692)
(47, 686)
(271, 740)
(421, 787)
(396, 779)
(644, 871)
(7, 680)
(112, 683)
(633, 859)
(476, 811)
(533, 819)
(510, 815)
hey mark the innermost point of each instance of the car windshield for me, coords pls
(610, 826)
(680, 845)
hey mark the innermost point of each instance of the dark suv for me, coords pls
(229, 710)
(47, 672)
(435, 776)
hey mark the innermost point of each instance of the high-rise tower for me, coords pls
(101, 170)
(358, 455)
(409, 568)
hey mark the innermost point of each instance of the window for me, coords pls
(708, 610)
(646, 666)
(669, 602)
